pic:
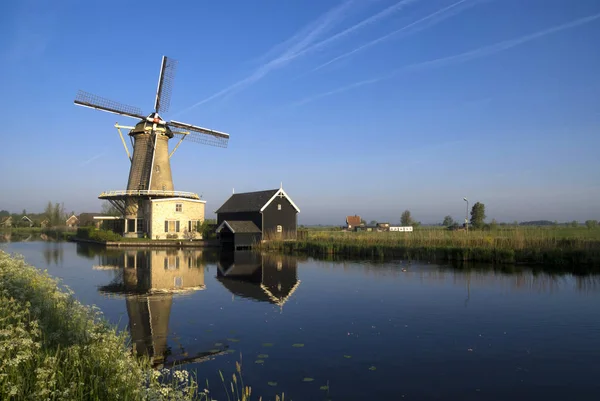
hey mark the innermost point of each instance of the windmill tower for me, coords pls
(150, 176)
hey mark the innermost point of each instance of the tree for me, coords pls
(24, 212)
(4, 213)
(109, 210)
(406, 219)
(373, 223)
(591, 224)
(448, 221)
(574, 223)
(478, 215)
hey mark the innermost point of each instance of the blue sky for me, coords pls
(363, 107)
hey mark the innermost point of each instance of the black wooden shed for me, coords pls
(250, 217)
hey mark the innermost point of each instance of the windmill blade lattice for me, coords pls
(202, 138)
(87, 99)
(165, 85)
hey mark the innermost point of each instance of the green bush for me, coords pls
(94, 234)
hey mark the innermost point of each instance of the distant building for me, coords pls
(401, 228)
(87, 220)
(383, 226)
(6, 222)
(353, 221)
(44, 223)
(72, 222)
(26, 221)
(247, 218)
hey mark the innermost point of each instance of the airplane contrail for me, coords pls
(397, 31)
(305, 45)
(458, 58)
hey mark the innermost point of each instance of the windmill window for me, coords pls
(157, 168)
(179, 207)
(279, 206)
(140, 225)
(279, 229)
(178, 282)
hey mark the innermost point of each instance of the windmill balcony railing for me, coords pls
(149, 192)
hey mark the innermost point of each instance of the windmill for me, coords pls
(150, 172)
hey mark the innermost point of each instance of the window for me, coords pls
(179, 207)
(157, 169)
(172, 226)
(279, 229)
(279, 206)
(193, 225)
(140, 225)
(130, 225)
(171, 263)
(178, 282)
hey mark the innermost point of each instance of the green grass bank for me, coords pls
(577, 250)
(54, 348)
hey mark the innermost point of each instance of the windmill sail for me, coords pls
(86, 99)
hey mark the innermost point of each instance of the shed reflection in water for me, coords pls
(265, 278)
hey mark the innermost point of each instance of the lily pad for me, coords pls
(263, 356)
(324, 388)
(297, 345)
(214, 351)
(267, 344)
(347, 356)
(272, 384)
(234, 340)
(308, 379)
(259, 361)
(230, 351)
(208, 330)
(372, 368)
(218, 344)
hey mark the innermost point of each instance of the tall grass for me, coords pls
(534, 246)
(54, 348)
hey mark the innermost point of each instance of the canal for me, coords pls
(344, 330)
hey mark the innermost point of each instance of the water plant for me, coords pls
(54, 348)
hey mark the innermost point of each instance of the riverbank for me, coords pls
(53, 347)
(581, 253)
(146, 243)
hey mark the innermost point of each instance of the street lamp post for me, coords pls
(467, 215)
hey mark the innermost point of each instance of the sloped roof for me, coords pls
(5, 219)
(353, 220)
(247, 202)
(238, 227)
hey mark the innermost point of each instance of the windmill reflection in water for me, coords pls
(148, 280)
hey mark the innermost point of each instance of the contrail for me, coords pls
(374, 18)
(304, 46)
(458, 58)
(91, 159)
(404, 28)
(301, 39)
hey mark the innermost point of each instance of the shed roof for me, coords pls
(247, 202)
(238, 227)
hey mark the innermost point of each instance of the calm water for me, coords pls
(371, 331)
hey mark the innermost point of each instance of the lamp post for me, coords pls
(467, 215)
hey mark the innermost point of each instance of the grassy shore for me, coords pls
(54, 348)
(578, 248)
